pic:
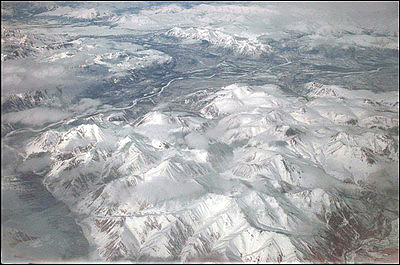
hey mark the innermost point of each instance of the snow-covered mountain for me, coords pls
(221, 40)
(18, 43)
(257, 176)
(28, 100)
(199, 132)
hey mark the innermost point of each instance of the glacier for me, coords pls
(190, 132)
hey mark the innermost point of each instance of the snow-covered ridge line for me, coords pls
(222, 40)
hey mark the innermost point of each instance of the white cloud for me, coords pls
(26, 75)
(81, 13)
(11, 80)
(85, 13)
(86, 104)
(196, 140)
(48, 72)
(35, 164)
(35, 116)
